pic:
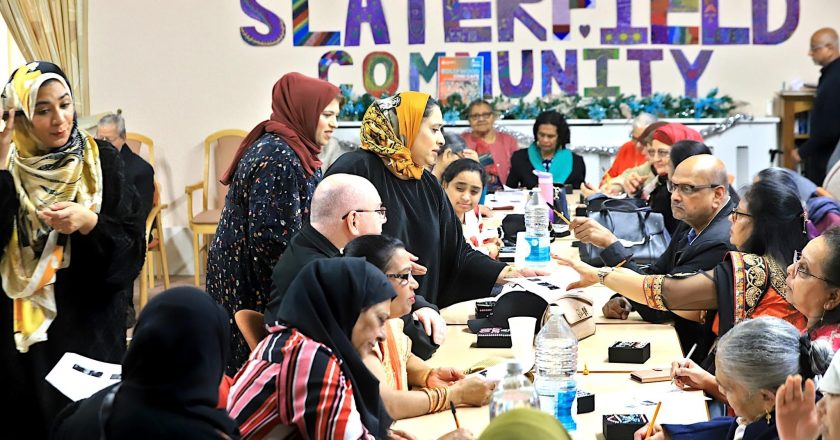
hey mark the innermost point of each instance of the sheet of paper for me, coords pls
(79, 377)
(550, 288)
(644, 402)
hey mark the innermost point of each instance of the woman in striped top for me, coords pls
(308, 374)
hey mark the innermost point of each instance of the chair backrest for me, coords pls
(136, 141)
(832, 181)
(251, 324)
(224, 144)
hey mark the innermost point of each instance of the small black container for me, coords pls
(493, 337)
(629, 352)
(622, 426)
(585, 402)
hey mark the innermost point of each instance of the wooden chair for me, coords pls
(155, 243)
(251, 324)
(204, 223)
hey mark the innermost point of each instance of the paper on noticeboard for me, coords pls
(79, 377)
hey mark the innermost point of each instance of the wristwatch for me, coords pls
(602, 273)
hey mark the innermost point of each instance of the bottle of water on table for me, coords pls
(537, 234)
(514, 391)
(556, 365)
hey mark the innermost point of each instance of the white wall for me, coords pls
(180, 70)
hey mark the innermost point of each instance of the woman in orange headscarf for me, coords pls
(272, 179)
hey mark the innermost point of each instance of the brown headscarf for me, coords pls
(389, 128)
(296, 104)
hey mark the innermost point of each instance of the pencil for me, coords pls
(455, 415)
(621, 263)
(688, 356)
(559, 214)
(653, 420)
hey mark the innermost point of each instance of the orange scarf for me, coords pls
(389, 128)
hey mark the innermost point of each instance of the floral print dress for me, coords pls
(266, 205)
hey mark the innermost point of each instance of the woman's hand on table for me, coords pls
(688, 374)
(588, 274)
(443, 377)
(657, 434)
(459, 434)
(473, 391)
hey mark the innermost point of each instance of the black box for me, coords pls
(483, 309)
(493, 338)
(580, 211)
(622, 426)
(585, 402)
(629, 352)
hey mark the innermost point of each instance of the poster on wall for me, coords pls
(461, 75)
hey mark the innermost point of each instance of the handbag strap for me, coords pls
(105, 410)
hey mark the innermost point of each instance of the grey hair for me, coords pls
(761, 353)
(643, 120)
(116, 119)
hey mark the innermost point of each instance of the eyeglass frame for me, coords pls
(479, 116)
(671, 186)
(734, 213)
(657, 152)
(797, 269)
(403, 277)
(382, 211)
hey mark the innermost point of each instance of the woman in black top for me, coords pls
(549, 153)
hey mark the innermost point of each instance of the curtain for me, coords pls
(55, 31)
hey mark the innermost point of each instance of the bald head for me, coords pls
(706, 167)
(824, 46)
(339, 194)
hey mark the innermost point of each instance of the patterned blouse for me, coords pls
(295, 381)
(267, 203)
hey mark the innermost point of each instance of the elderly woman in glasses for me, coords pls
(767, 228)
(494, 148)
(753, 360)
(391, 362)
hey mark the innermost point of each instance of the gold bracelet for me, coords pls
(425, 381)
(432, 403)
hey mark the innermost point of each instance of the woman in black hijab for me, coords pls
(171, 376)
(308, 372)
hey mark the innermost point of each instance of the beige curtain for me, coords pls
(55, 31)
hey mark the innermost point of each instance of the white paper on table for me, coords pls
(79, 377)
(550, 288)
(644, 402)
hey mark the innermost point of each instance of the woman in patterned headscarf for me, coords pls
(71, 241)
(401, 137)
(272, 180)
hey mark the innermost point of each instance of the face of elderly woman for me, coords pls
(810, 294)
(748, 405)
(659, 155)
(370, 327)
(52, 119)
(742, 225)
(828, 412)
(429, 139)
(327, 123)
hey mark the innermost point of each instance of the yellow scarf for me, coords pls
(42, 177)
(389, 128)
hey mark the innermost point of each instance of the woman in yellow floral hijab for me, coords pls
(71, 241)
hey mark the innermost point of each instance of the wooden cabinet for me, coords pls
(792, 108)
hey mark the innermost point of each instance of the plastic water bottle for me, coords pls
(556, 365)
(514, 391)
(537, 234)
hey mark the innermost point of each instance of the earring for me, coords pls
(767, 416)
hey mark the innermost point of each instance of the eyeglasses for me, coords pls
(799, 270)
(662, 152)
(403, 277)
(477, 116)
(735, 214)
(686, 189)
(381, 211)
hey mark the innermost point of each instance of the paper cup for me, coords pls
(522, 339)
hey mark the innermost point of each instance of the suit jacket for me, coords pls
(723, 428)
(708, 249)
(309, 245)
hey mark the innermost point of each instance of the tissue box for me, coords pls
(493, 338)
(622, 426)
(483, 309)
(585, 402)
(629, 352)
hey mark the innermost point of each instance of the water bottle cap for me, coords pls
(513, 367)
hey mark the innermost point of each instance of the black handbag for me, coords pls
(637, 228)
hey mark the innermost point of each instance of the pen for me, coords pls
(653, 420)
(688, 356)
(559, 214)
(455, 415)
